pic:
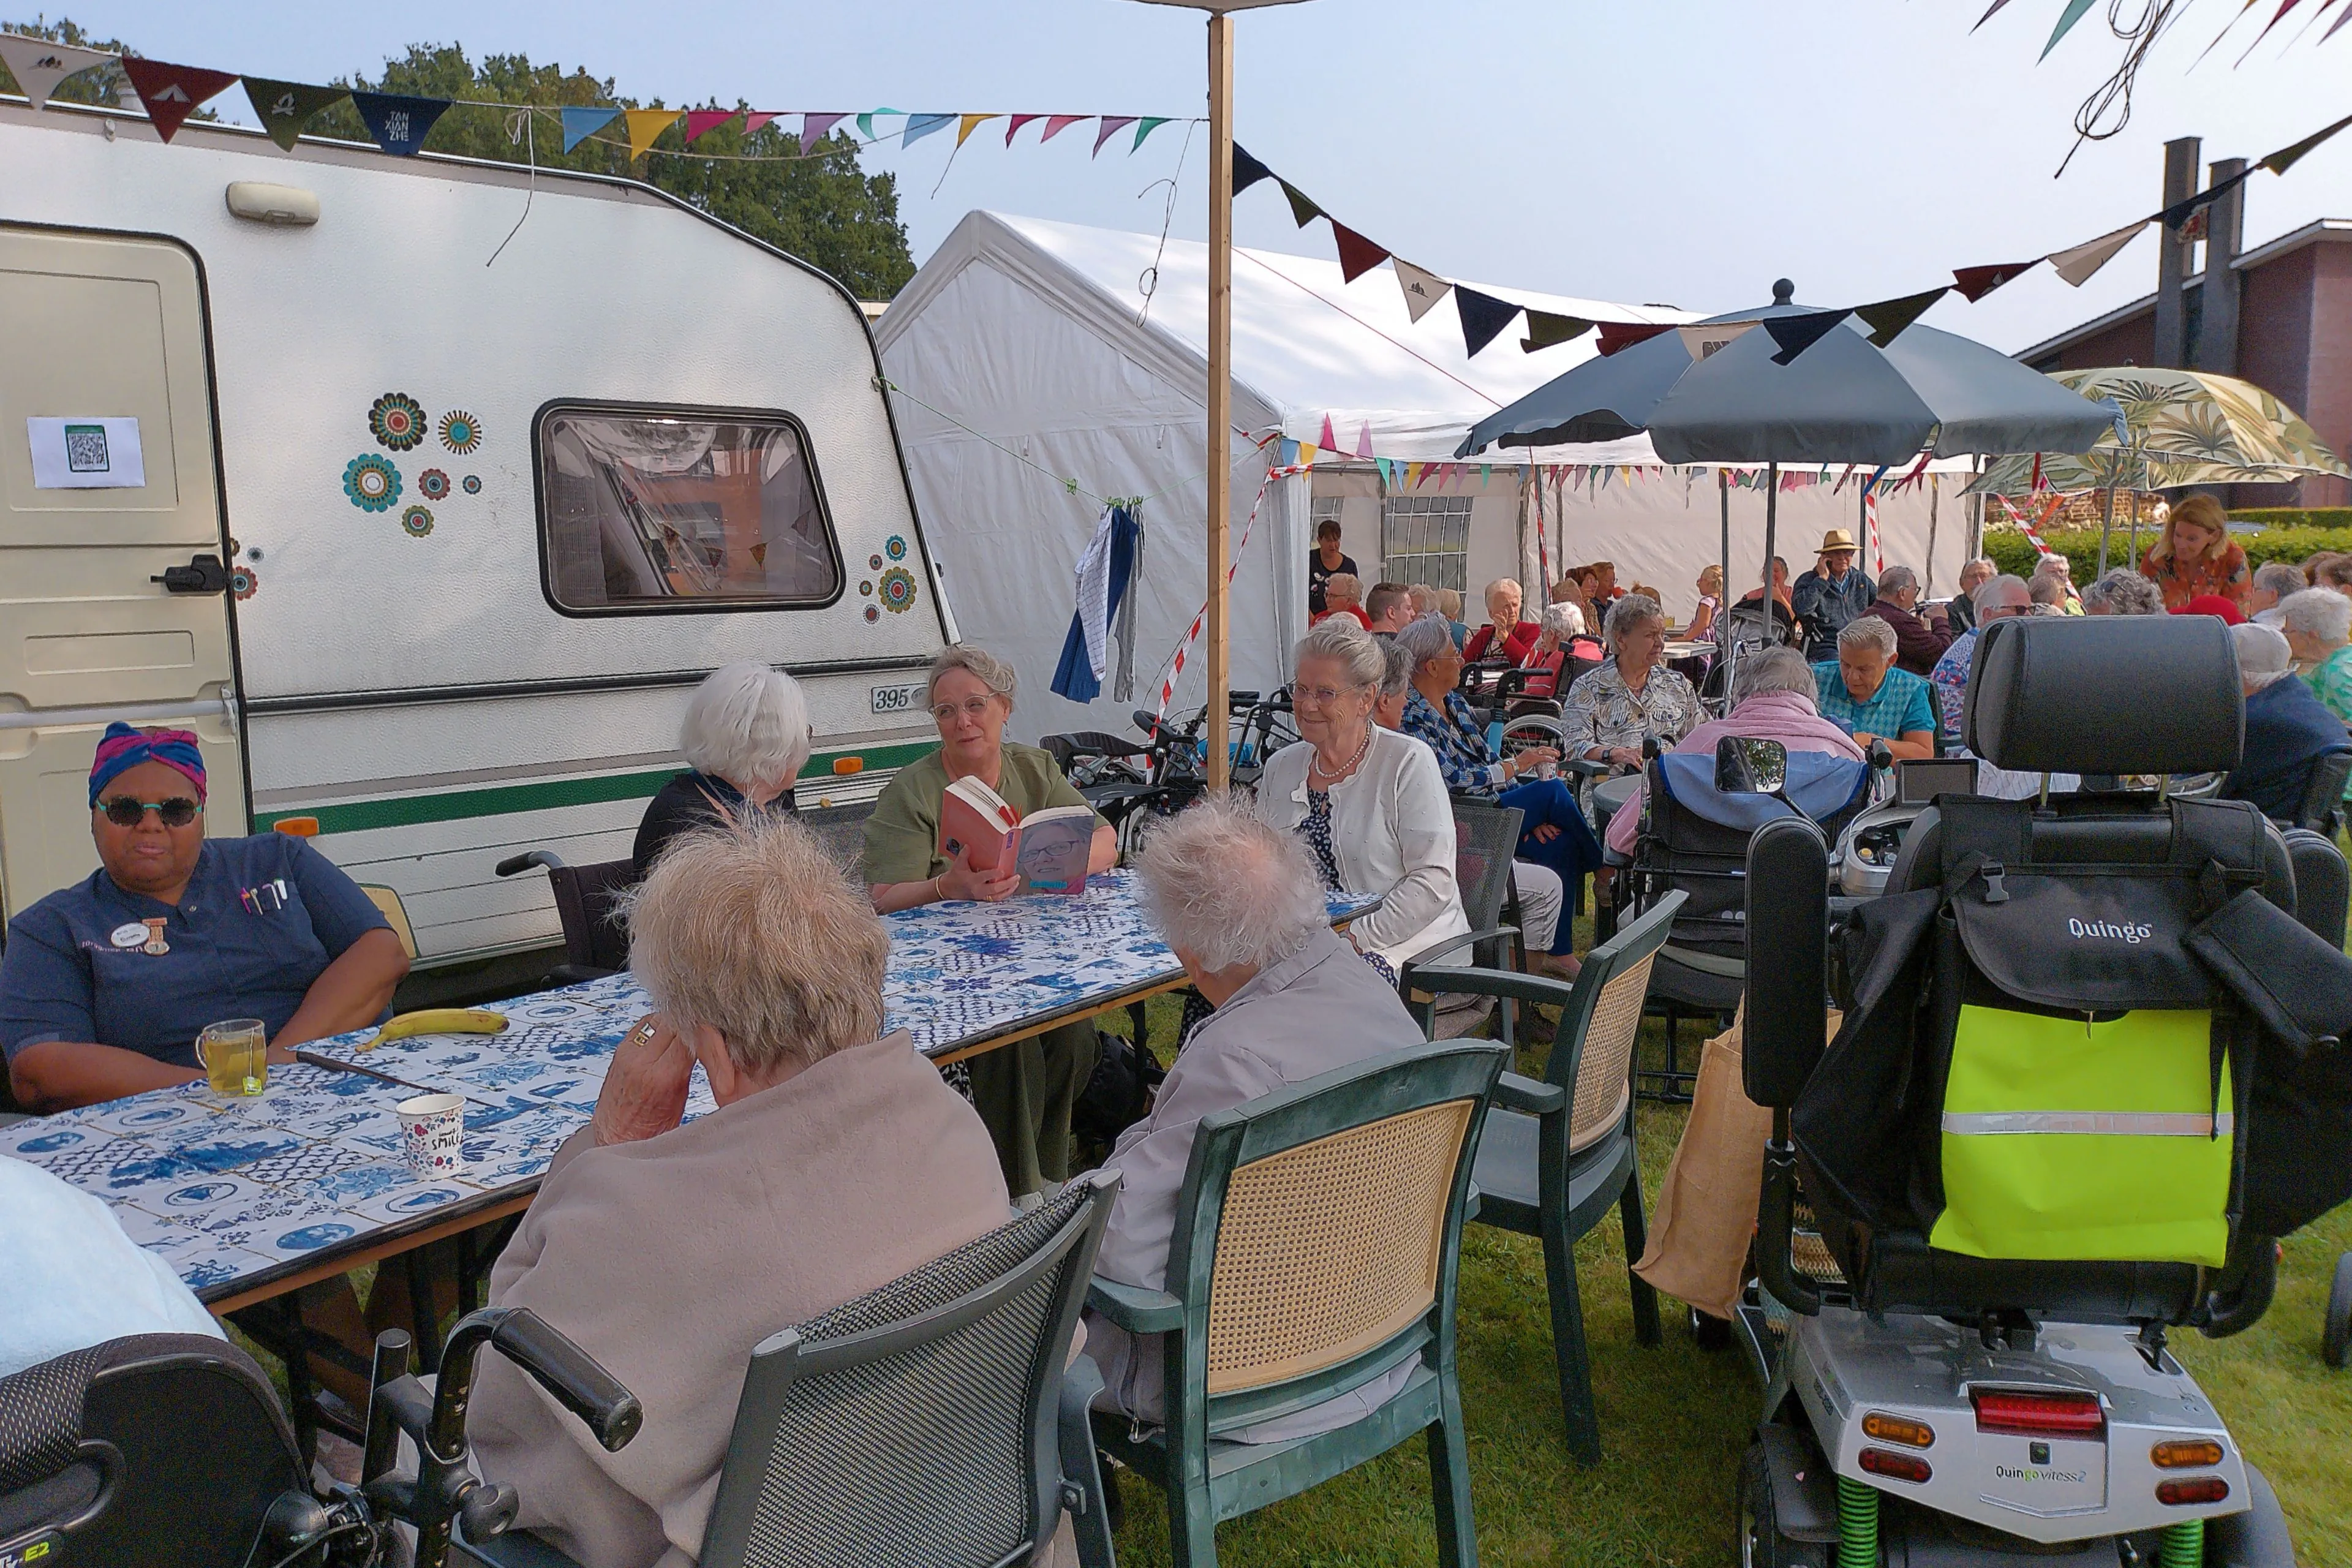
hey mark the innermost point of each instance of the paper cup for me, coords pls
(433, 1134)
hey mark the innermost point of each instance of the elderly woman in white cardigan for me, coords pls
(1369, 803)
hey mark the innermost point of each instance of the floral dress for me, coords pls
(2225, 576)
(1602, 710)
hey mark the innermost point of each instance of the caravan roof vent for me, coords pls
(288, 206)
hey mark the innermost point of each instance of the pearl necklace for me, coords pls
(1315, 763)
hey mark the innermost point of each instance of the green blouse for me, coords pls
(902, 836)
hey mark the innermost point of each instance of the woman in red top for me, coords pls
(1505, 636)
(1343, 595)
(1563, 637)
(2195, 556)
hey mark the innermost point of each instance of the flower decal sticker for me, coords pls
(895, 547)
(460, 431)
(372, 482)
(872, 614)
(898, 590)
(473, 484)
(866, 588)
(244, 582)
(874, 563)
(417, 521)
(396, 421)
(433, 485)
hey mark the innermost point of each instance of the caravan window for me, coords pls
(647, 511)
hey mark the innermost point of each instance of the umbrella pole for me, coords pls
(1221, 386)
(2107, 524)
(1772, 530)
(1723, 559)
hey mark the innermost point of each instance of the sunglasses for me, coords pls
(124, 812)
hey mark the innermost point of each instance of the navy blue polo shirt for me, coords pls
(259, 920)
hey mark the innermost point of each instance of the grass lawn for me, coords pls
(1674, 1420)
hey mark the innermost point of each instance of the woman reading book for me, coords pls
(1023, 1091)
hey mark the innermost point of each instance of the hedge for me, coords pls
(2295, 516)
(2014, 553)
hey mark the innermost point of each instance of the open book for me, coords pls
(979, 828)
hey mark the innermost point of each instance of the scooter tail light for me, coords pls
(2185, 1455)
(2193, 1489)
(2039, 1415)
(1897, 1467)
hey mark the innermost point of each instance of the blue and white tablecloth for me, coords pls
(236, 1191)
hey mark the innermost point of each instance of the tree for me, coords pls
(822, 209)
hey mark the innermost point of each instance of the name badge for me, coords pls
(129, 936)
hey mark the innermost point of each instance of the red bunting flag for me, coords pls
(1975, 282)
(1018, 121)
(699, 121)
(754, 119)
(1057, 124)
(1358, 255)
(172, 93)
(1617, 336)
(1326, 440)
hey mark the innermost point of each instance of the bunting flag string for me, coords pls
(38, 65)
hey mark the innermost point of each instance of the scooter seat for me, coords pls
(1904, 1273)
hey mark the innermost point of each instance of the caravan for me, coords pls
(429, 548)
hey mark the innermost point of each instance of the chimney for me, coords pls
(2216, 347)
(2171, 347)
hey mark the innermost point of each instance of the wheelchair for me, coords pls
(171, 1450)
(1934, 1393)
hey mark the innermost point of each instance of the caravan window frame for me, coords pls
(714, 414)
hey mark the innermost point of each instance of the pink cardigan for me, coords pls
(1783, 716)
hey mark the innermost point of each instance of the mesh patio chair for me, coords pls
(1314, 1251)
(1559, 1154)
(937, 1422)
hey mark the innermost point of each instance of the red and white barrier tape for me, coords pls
(1168, 686)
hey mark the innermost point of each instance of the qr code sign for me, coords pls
(86, 449)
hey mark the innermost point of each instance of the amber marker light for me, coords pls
(1902, 1429)
(2185, 1455)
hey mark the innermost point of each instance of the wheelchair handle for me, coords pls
(571, 1374)
(515, 865)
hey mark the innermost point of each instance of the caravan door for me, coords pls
(108, 482)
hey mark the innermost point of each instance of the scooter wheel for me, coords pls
(1762, 1544)
(2336, 1340)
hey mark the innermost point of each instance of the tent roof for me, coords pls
(1304, 343)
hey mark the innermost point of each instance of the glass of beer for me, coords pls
(235, 1055)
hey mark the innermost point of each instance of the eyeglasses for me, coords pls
(970, 707)
(1321, 695)
(124, 812)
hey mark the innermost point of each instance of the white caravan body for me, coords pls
(485, 526)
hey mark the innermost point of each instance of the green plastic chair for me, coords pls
(1315, 1246)
(1559, 1153)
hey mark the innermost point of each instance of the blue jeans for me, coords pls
(1573, 854)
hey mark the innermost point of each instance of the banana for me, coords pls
(439, 1021)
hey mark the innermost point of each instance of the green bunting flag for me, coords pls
(1301, 209)
(1888, 318)
(2285, 158)
(1547, 331)
(1148, 124)
(286, 107)
(2075, 11)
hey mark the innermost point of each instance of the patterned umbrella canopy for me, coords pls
(2181, 428)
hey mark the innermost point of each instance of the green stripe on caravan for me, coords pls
(505, 800)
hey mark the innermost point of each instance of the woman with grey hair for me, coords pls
(746, 738)
(1632, 697)
(1241, 904)
(1396, 682)
(1563, 638)
(1024, 1091)
(2317, 625)
(2288, 730)
(1369, 802)
(2122, 592)
(834, 1161)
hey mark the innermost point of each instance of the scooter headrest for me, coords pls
(2105, 694)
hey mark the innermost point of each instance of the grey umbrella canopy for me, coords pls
(1840, 400)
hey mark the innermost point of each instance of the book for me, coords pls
(979, 829)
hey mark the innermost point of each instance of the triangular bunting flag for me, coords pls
(2334, 28)
(970, 123)
(1712, 337)
(1247, 170)
(1301, 209)
(1547, 331)
(1888, 318)
(172, 93)
(1486, 473)
(1018, 121)
(1111, 125)
(398, 123)
(866, 121)
(284, 107)
(1358, 255)
(922, 125)
(1618, 336)
(1307, 454)
(1364, 441)
(2075, 12)
(1148, 125)
(1422, 287)
(1326, 440)
(2278, 163)
(754, 119)
(1057, 123)
(1484, 317)
(1975, 282)
(579, 124)
(1412, 472)
(38, 65)
(1286, 452)
(645, 125)
(1800, 333)
(699, 121)
(815, 128)
(2078, 263)
(1996, 5)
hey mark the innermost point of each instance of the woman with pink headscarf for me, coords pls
(105, 984)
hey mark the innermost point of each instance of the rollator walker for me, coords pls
(2087, 1071)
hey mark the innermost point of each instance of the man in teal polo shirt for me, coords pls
(1863, 691)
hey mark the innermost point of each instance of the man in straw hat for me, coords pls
(1834, 591)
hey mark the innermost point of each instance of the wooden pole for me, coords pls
(1221, 386)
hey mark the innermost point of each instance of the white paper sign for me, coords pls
(85, 453)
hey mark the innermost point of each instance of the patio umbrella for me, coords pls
(2181, 428)
(1790, 383)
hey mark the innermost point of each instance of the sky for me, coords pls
(1675, 151)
